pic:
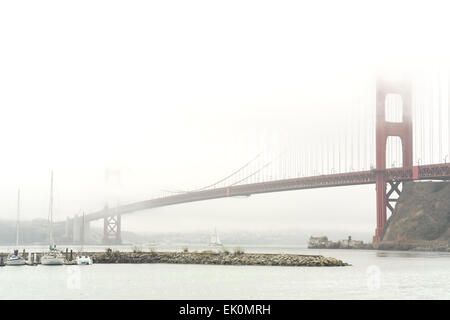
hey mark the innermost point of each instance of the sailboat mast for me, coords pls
(82, 232)
(18, 216)
(50, 213)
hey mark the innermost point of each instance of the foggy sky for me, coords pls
(178, 94)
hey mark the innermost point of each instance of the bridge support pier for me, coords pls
(394, 187)
(112, 230)
(76, 227)
(79, 230)
(385, 129)
(385, 200)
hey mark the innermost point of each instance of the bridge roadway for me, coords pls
(425, 172)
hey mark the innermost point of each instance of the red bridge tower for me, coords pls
(385, 129)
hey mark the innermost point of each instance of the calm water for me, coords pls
(373, 275)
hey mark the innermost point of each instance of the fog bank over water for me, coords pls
(177, 95)
(303, 209)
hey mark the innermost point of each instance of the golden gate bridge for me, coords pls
(399, 133)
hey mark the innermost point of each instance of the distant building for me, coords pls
(349, 243)
(318, 242)
(323, 242)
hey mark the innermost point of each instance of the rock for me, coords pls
(214, 258)
(421, 218)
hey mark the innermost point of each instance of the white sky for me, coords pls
(177, 94)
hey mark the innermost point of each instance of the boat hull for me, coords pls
(15, 262)
(52, 261)
(84, 261)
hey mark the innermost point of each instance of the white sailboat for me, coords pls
(214, 240)
(15, 259)
(53, 257)
(83, 258)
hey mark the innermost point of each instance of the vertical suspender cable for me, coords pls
(439, 117)
(397, 140)
(339, 149)
(431, 122)
(345, 147)
(333, 154)
(364, 145)
(358, 134)
(422, 111)
(351, 135)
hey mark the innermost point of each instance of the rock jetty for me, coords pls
(217, 258)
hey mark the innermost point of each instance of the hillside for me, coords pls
(421, 219)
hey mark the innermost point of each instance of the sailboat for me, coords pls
(83, 258)
(53, 257)
(15, 259)
(214, 240)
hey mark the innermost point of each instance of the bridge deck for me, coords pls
(426, 172)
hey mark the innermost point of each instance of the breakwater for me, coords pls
(216, 258)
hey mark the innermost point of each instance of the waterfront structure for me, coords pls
(350, 243)
(318, 242)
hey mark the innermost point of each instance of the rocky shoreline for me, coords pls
(412, 246)
(216, 258)
(392, 246)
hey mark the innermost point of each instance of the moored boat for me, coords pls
(53, 257)
(84, 259)
(15, 259)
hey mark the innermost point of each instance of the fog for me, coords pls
(175, 95)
